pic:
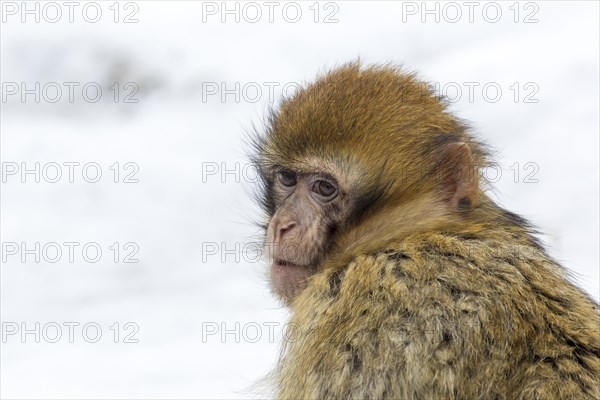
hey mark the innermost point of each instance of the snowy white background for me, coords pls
(178, 128)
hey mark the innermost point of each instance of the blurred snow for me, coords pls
(176, 293)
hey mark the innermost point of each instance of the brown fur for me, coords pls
(416, 299)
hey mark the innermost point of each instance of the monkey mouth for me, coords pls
(288, 278)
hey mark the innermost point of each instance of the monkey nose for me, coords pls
(286, 227)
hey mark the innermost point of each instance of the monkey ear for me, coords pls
(459, 176)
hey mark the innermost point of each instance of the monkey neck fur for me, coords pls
(388, 226)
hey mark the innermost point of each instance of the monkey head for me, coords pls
(355, 161)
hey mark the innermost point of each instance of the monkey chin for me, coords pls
(289, 279)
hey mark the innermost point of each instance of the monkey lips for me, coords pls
(288, 278)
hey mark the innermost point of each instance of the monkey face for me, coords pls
(309, 208)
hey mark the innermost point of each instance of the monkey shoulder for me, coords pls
(431, 308)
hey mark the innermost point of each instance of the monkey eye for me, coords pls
(287, 178)
(325, 189)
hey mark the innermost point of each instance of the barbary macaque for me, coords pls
(408, 280)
